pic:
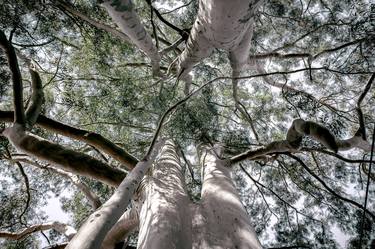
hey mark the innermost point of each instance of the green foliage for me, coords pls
(95, 81)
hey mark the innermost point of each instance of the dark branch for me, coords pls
(19, 112)
(354, 203)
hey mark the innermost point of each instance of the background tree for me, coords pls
(284, 109)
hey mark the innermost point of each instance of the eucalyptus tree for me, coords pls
(266, 144)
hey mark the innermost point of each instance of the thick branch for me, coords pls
(294, 137)
(88, 137)
(128, 222)
(37, 98)
(19, 113)
(92, 233)
(123, 14)
(69, 160)
(67, 230)
(67, 7)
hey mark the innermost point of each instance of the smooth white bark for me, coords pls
(92, 233)
(124, 15)
(128, 222)
(62, 228)
(165, 220)
(219, 24)
(221, 221)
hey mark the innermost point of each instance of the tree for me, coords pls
(248, 152)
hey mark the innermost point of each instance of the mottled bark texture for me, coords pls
(218, 25)
(123, 14)
(91, 138)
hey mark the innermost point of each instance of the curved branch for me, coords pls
(128, 222)
(362, 129)
(37, 98)
(298, 129)
(19, 113)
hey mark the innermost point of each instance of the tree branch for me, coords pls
(362, 129)
(67, 159)
(65, 229)
(69, 8)
(328, 188)
(128, 222)
(91, 138)
(37, 98)
(19, 112)
(298, 129)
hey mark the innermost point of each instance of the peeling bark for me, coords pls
(37, 98)
(222, 221)
(123, 14)
(165, 216)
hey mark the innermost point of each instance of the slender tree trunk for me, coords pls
(165, 220)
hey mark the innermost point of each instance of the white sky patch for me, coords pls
(341, 238)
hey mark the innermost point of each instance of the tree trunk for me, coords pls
(168, 219)
(165, 220)
(222, 221)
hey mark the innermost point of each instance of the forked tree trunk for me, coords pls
(168, 219)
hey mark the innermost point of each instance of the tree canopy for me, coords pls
(296, 116)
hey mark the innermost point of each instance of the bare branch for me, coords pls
(362, 129)
(328, 188)
(128, 222)
(123, 14)
(88, 137)
(37, 98)
(67, 159)
(69, 8)
(19, 111)
(65, 229)
(298, 129)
